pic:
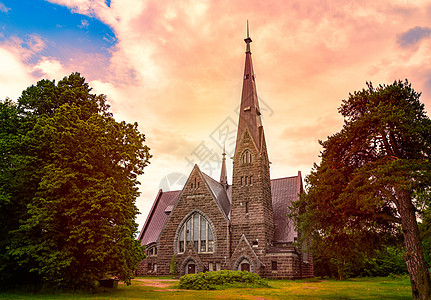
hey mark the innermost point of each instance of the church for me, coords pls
(212, 225)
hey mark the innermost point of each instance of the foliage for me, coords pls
(68, 186)
(388, 262)
(379, 257)
(173, 266)
(425, 224)
(220, 280)
(370, 171)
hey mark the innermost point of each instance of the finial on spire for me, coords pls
(223, 174)
(247, 40)
(248, 33)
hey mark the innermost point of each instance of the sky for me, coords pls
(176, 68)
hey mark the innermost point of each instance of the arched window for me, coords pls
(198, 231)
(247, 157)
(152, 249)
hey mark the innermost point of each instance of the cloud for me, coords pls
(15, 75)
(84, 24)
(49, 67)
(3, 8)
(175, 67)
(35, 43)
(413, 36)
(26, 48)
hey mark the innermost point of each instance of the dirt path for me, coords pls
(160, 283)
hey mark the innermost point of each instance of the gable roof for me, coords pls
(158, 216)
(284, 191)
(219, 193)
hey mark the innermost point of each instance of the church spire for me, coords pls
(223, 174)
(249, 115)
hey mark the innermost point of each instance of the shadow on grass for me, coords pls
(166, 288)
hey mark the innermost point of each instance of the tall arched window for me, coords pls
(246, 157)
(198, 231)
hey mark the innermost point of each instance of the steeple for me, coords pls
(249, 115)
(251, 210)
(223, 174)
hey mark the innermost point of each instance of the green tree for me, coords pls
(173, 266)
(76, 221)
(19, 176)
(369, 174)
(424, 200)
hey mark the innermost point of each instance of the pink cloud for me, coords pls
(177, 66)
(4, 8)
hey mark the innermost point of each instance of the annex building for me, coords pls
(212, 225)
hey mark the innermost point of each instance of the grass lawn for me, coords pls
(163, 288)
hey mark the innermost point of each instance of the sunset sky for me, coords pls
(176, 68)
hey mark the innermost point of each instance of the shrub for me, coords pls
(216, 280)
(388, 261)
(173, 266)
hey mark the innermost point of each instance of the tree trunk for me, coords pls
(414, 257)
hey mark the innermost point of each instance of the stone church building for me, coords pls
(212, 225)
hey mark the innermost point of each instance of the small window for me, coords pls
(274, 265)
(246, 207)
(246, 179)
(155, 267)
(247, 157)
(255, 243)
(247, 76)
(150, 267)
(242, 180)
(192, 185)
(218, 266)
(211, 266)
(251, 180)
(198, 184)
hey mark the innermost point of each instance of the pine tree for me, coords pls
(369, 174)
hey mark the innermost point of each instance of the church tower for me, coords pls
(251, 212)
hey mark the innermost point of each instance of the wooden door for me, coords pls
(245, 267)
(191, 269)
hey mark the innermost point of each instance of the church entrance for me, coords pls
(245, 267)
(191, 269)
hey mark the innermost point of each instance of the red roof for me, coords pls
(157, 217)
(284, 191)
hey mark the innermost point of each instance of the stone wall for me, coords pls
(194, 199)
(251, 196)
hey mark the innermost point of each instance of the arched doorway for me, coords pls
(245, 266)
(244, 263)
(191, 268)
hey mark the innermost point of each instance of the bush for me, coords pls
(216, 280)
(388, 261)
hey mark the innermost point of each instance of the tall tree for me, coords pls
(76, 223)
(370, 171)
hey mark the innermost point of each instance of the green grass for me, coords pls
(356, 288)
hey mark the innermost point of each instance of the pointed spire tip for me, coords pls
(248, 33)
(248, 40)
